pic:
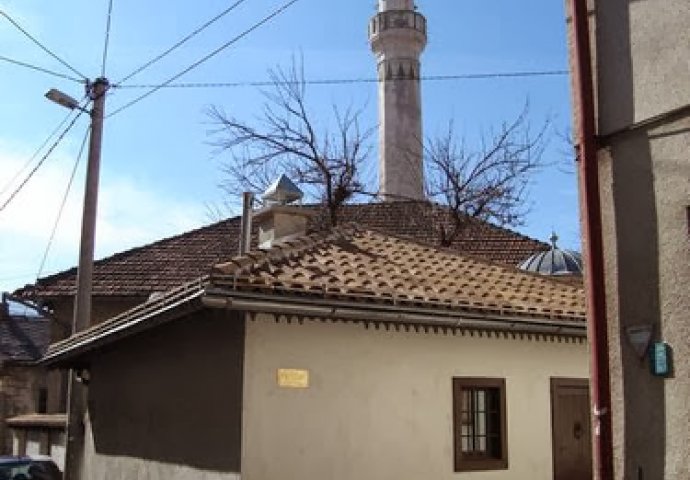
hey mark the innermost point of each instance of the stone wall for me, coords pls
(19, 391)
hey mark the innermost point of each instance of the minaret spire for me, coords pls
(397, 34)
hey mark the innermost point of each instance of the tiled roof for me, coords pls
(361, 271)
(23, 339)
(167, 263)
(366, 266)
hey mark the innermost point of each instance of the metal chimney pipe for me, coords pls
(246, 228)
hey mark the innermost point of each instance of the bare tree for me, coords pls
(285, 139)
(488, 183)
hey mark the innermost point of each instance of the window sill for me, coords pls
(478, 465)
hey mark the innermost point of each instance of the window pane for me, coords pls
(480, 400)
(480, 423)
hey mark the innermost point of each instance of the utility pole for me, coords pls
(82, 303)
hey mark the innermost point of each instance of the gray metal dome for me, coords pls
(554, 261)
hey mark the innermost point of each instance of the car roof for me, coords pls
(8, 459)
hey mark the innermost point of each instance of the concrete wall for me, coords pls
(167, 404)
(379, 403)
(643, 70)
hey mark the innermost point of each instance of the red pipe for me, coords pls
(590, 206)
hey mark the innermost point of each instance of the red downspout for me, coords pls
(590, 206)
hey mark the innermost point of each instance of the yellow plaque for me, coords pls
(293, 378)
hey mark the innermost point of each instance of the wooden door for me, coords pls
(571, 430)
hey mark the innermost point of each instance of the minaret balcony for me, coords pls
(391, 19)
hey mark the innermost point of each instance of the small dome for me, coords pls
(554, 261)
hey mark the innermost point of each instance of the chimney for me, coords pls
(246, 226)
(279, 220)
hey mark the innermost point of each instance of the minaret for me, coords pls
(398, 35)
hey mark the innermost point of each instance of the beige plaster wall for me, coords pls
(379, 402)
(672, 187)
(643, 60)
(643, 70)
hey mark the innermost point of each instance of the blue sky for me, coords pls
(159, 173)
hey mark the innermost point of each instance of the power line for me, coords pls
(41, 46)
(40, 69)
(234, 40)
(181, 42)
(344, 81)
(38, 150)
(107, 37)
(62, 204)
(41, 161)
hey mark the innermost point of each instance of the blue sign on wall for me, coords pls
(660, 359)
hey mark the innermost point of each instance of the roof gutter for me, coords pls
(258, 303)
(146, 317)
(590, 207)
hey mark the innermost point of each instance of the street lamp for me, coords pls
(96, 91)
(62, 99)
(82, 303)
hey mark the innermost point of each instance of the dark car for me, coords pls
(29, 468)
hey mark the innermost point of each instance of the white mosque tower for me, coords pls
(398, 36)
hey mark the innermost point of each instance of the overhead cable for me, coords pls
(107, 37)
(62, 204)
(344, 81)
(38, 150)
(181, 42)
(40, 69)
(42, 160)
(215, 52)
(40, 45)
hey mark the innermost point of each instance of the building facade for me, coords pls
(642, 83)
(345, 355)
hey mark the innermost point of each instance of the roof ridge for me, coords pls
(280, 250)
